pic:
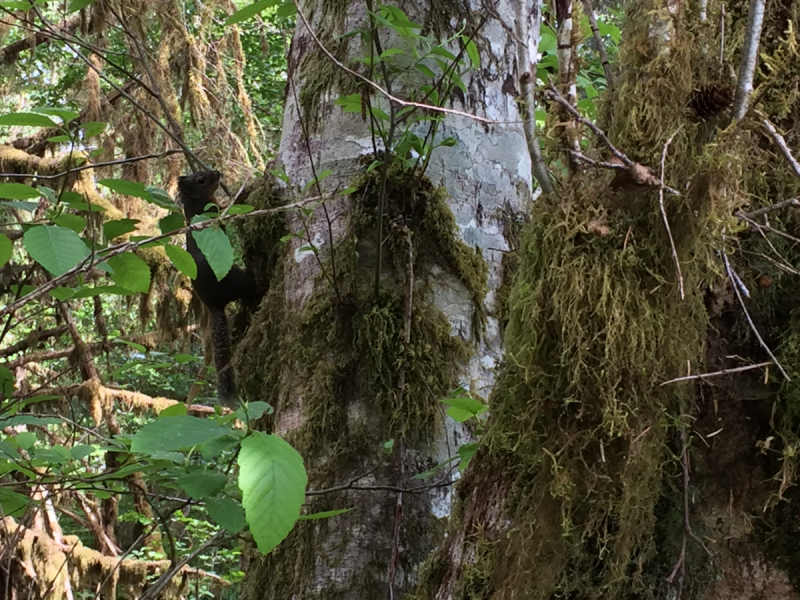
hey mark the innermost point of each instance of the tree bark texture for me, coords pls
(348, 368)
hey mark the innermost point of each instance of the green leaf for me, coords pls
(425, 70)
(202, 484)
(29, 420)
(76, 201)
(273, 483)
(217, 249)
(182, 260)
(286, 10)
(62, 113)
(62, 293)
(93, 128)
(16, 5)
(255, 410)
(59, 139)
(74, 222)
(14, 504)
(161, 198)
(462, 409)
(249, 11)
(175, 433)
(55, 248)
(171, 222)
(466, 452)
(6, 249)
(27, 120)
(174, 410)
(130, 272)
(183, 359)
(351, 103)
(324, 515)
(20, 205)
(226, 513)
(18, 191)
(112, 229)
(76, 5)
(240, 209)
(128, 188)
(81, 451)
(474, 55)
(6, 382)
(99, 290)
(26, 439)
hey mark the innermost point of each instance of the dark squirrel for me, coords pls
(196, 191)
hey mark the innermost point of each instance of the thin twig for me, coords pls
(766, 209)
(781, 143)
(664, 212)
(769, 228)
(734, 278)
(718, 373)
(747, 66)
(598, 42)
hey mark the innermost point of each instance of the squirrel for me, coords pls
(195, 192)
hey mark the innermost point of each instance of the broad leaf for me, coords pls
(76, 5)
(62, 113)
(161, 198)
(112, 229)
(324, 515)
(27, 120)
(175, 433)
(226, 513)
(202, 484)
(462, 409)
(57, 249)
(249, 11)
(182, 260)
(171, 222)
(14, 504)
(74, 222)
(130, 272)
(128, 188)
(6, 249)
(18, 191)
(273, 483)
(217, 249)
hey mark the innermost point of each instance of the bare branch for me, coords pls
(747, 66)
(718, 373)
(664, 213)
(781, 143)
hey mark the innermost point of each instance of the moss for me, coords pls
(341, 361)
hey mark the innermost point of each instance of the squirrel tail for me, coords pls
(221, 340)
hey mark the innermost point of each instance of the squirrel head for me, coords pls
(197, 189)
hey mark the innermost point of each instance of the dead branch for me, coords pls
(664, 212)
(719, 373)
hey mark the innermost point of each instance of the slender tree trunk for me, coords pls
(347, 366)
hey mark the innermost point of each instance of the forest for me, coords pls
(354, 300)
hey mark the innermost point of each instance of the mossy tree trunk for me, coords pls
(581, 488)
(348, 366)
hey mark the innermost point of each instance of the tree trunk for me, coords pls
(596, 478)
(349, 367)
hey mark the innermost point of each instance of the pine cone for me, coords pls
(711, 99)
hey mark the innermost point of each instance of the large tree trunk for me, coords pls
(582, 488)
(348, 368)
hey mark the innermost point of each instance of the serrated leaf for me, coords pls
(226, 513)
(273, 483)
(171, 222)
(249, 11)
(74, 222)
(81, 451)
(175, 433)
(202, 484)
(57, 249)
(130, 272)
(217, 249)
(93, 128)
(18, 191)
(62, 113)
(182, 260)
(128, 188)
(161, 198)
(62, 293)
(112, 229)
(27, 120)
(6, 249)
